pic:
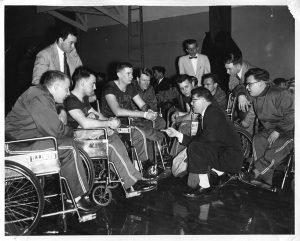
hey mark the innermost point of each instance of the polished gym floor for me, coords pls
(236, 208)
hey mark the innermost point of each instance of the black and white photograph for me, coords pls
(149, 119)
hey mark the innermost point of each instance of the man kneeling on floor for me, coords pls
(80, 113)
(216, 145)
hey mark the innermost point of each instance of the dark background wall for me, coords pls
(265, 42)
(162, 42)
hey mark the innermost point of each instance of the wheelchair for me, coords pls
(126, 135)
(282, 173)
(106, 176)
(25, 194)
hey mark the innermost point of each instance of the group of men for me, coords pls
(49, 108)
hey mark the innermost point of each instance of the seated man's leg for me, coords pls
(72, 167)
(272, 158)
(260, 144)
(159, 123)
(184, 128)
(140, 144)
(119, 156)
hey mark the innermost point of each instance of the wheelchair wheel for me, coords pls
(88, 167)
(101, 195)
(24, 199)
(246, 141)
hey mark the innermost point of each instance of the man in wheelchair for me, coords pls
(81, 114)
(274, 108)
(34, 115)
(117, 100)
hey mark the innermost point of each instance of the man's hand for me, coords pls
(151, 115)
(273, 137)
(174, 116)
(114, 123)
(171, 132)
(62, 116)
(243, 103)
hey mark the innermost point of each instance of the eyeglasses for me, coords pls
(250, 84)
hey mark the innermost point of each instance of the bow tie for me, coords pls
(195, 57)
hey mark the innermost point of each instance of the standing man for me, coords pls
(34, 115)
(193, 64)
(210, 82)
(61, 55)
(216, 144)
(236, 68)
(274, 108)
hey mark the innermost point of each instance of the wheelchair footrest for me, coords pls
(132, 194)
(87, 217)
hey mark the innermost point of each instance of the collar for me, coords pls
(239, 74)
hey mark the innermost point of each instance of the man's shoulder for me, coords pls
(202, 56)
(47, 50)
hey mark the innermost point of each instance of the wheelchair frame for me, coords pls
(23, 210)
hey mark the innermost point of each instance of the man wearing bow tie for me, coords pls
(193, 64)
(216, 145)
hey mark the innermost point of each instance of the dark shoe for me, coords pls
(246, 176)
(143, 186)
(213, 179)
(224, 178)
(85, 205)
(147, 164)
(197, 192)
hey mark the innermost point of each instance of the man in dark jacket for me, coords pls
(274, 108)
(216, 144)
(34, 115)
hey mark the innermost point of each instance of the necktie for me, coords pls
(195, 57)
(66, 66)
(239, 79)
(200, 121)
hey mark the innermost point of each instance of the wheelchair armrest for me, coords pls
(23, 143)
(86, 134)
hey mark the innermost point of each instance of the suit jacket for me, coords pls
(237, 86)
(186, 67)
(47, 59)
(219, 132)
(165, 84)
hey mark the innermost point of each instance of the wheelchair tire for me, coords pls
(24, 199)
(101, 195)
(246, 140)
(88, 167)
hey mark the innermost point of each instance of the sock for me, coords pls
(204, 182)
(75, 199)
(218, 172)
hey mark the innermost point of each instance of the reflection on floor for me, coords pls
(236, 208)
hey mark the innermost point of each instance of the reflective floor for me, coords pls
(236, 208)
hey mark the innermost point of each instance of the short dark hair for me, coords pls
(159, 69)
(183, 77)
(213, 76)
(123, 65)
(202, 92)
(189, 42)
(145, 71)
(80, 73)
(64, 31)
(234, 58)
(258, 74)
(278, 81)
(51, 76)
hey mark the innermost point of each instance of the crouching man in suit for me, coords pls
(216, 145)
